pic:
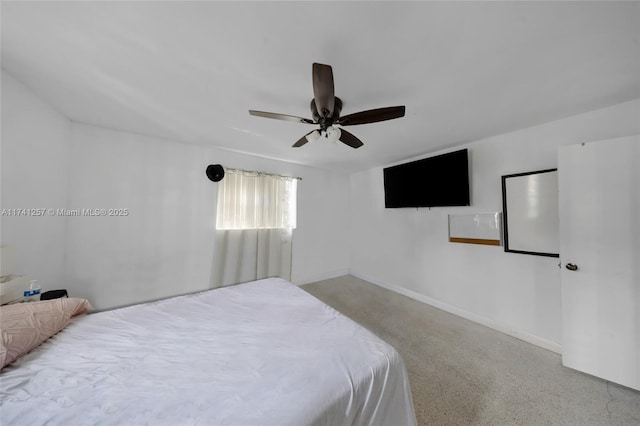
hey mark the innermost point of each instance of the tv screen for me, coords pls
(442, 180)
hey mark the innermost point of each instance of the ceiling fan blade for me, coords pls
(303, 140)
(281, 116)
(323, 89)
(349, 139)
(372, 116)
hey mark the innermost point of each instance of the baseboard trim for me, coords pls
(320, 277)
(524, 336)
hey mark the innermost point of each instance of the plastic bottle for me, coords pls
(33, 294)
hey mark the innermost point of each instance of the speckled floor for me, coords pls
(463, 373)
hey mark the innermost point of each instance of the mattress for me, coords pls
(260, 353)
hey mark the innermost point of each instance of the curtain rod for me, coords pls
(263, 173)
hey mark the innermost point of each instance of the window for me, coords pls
(254, 200)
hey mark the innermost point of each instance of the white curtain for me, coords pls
(251, 254)
(256, 215)
(249, 200)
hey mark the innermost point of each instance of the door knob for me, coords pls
(571, 267)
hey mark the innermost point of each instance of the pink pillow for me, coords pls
(24, 326)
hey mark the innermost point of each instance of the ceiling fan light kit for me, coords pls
(325, 110)
(313, 136)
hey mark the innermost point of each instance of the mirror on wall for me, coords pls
(530, 213)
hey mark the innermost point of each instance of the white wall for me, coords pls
(34, 155)
(321, 241)
(165, 245)
(408, 249)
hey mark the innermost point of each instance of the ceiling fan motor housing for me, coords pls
(326, 122)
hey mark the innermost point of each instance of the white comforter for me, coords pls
(261, 353)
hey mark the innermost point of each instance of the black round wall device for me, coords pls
(215, 172)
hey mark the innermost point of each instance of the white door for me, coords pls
(599, 202)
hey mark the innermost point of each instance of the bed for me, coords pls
(259, 353)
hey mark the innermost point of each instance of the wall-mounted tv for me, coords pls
(437, 181)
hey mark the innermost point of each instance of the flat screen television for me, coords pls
(437, 181)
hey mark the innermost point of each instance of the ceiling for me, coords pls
(190, 71)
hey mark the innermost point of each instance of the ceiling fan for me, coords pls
(325, 110)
